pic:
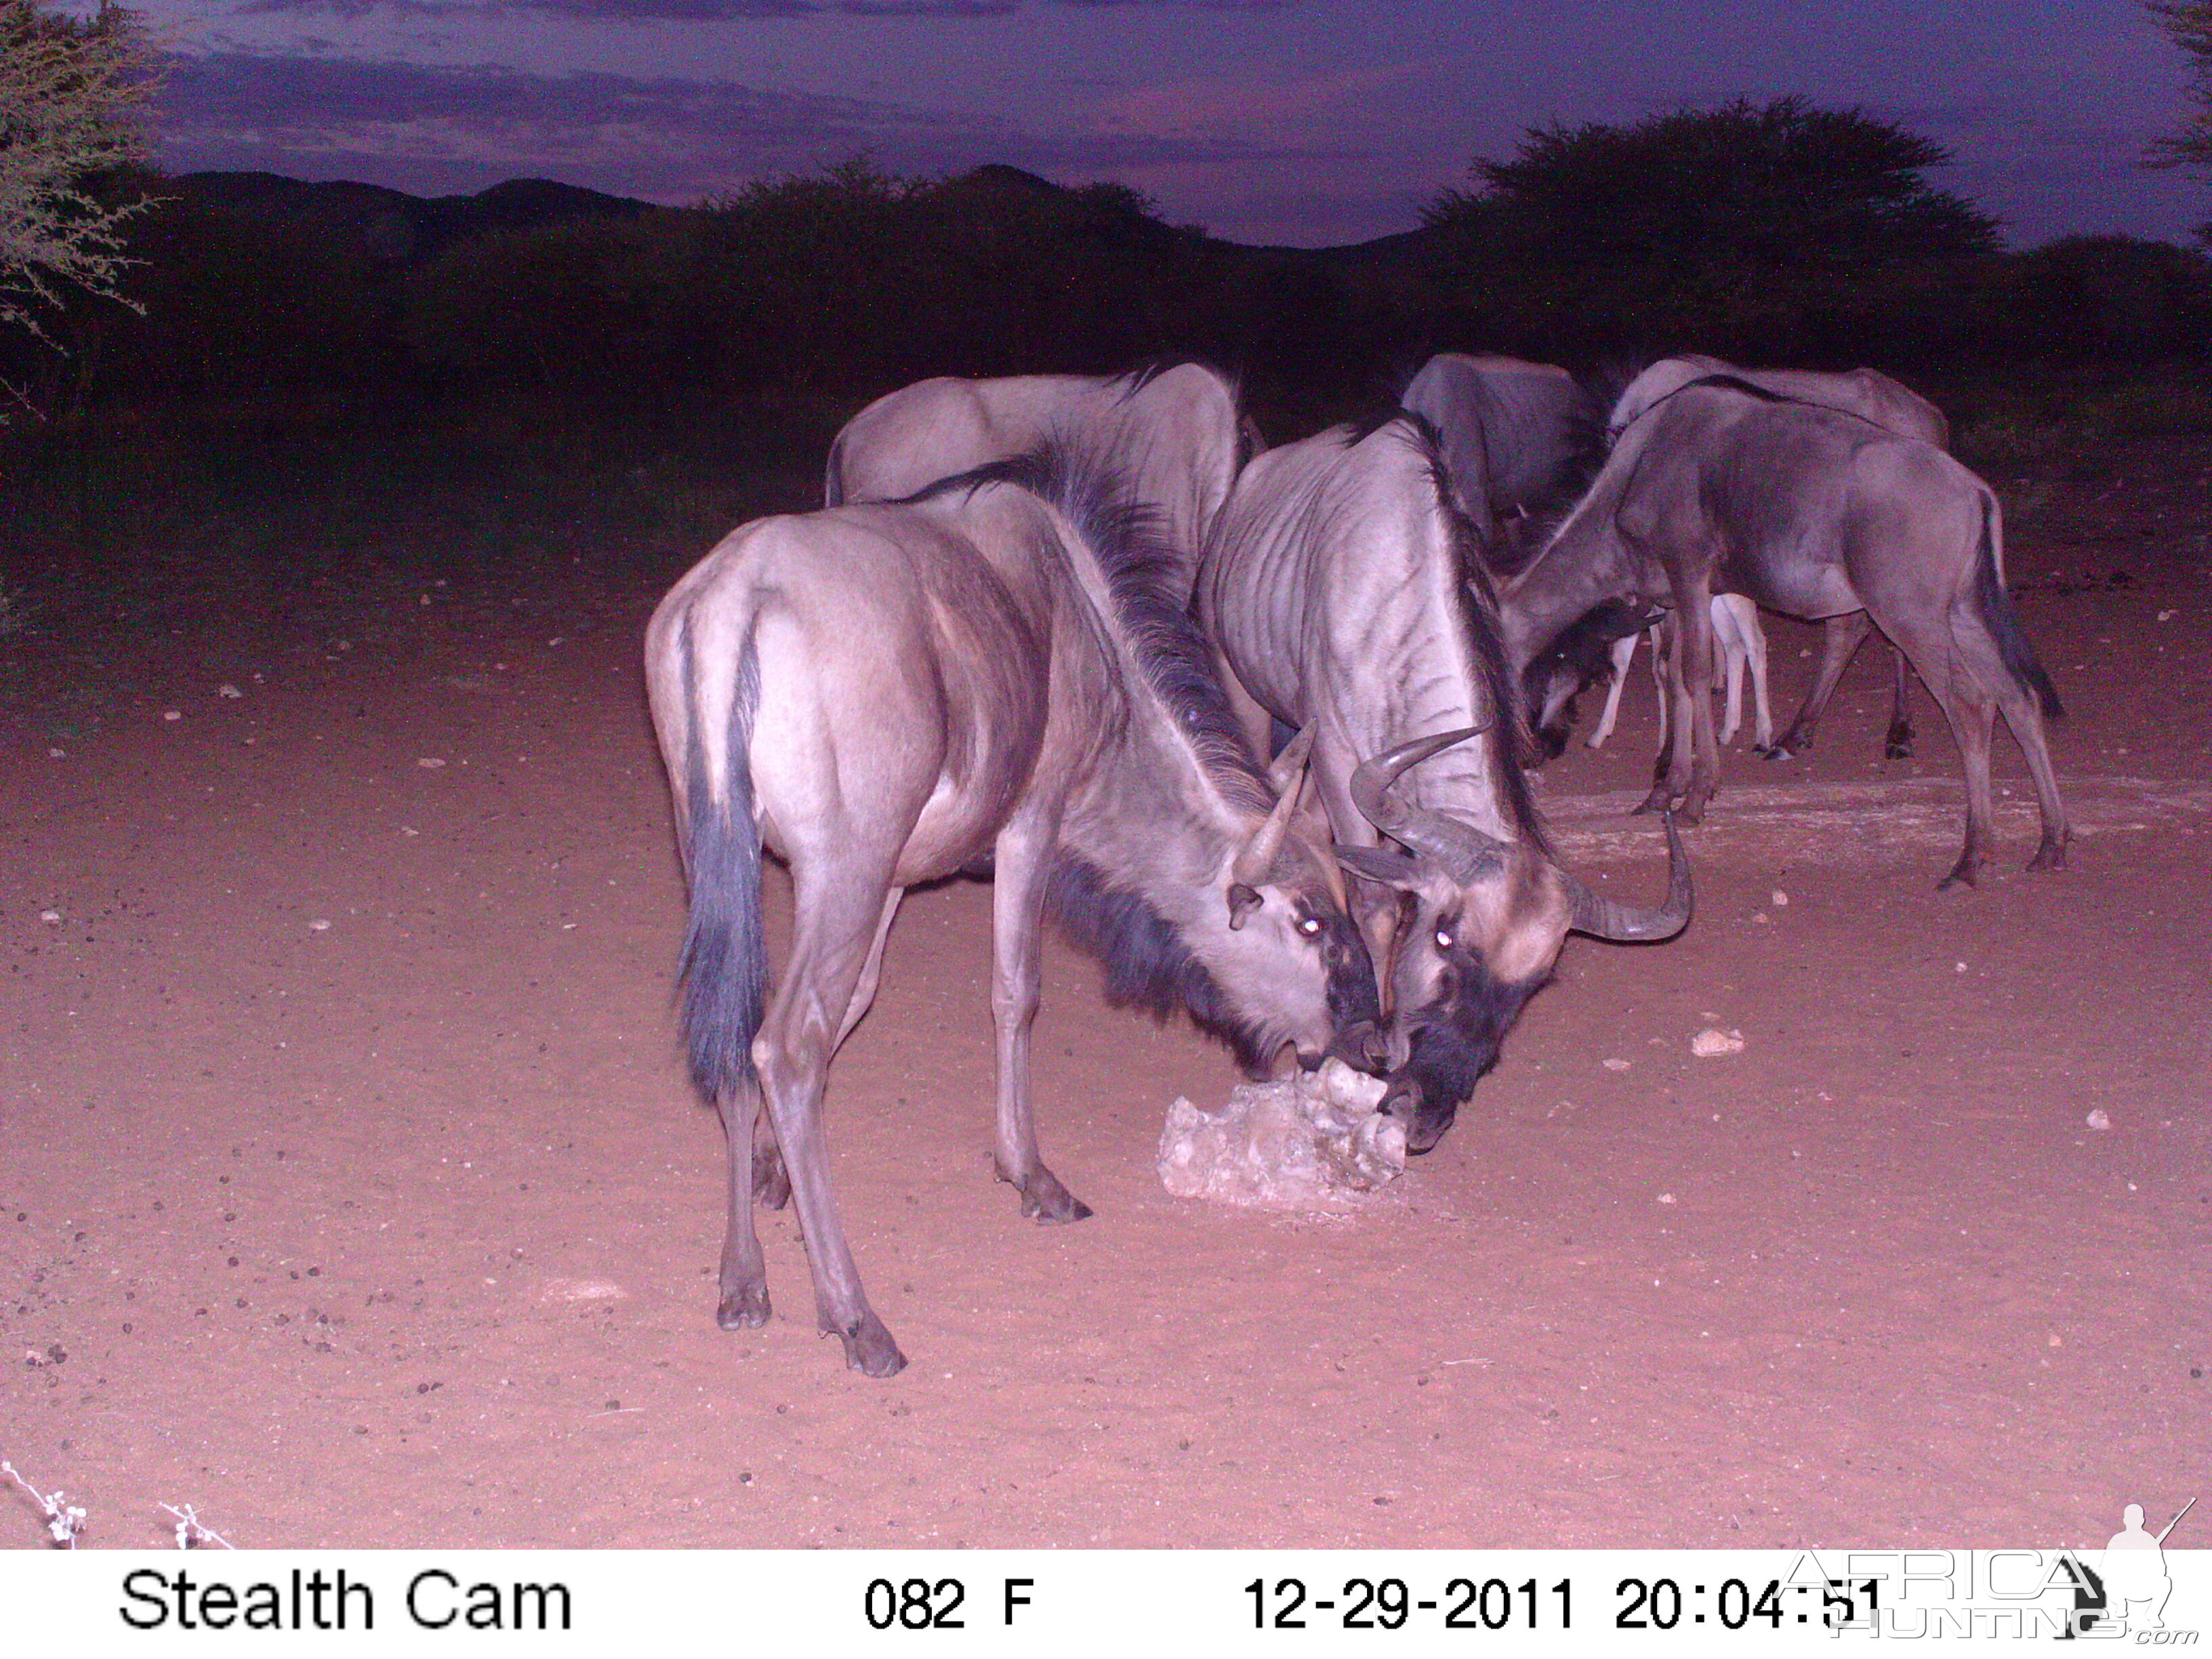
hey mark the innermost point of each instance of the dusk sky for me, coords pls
(1307, 121)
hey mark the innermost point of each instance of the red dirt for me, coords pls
(402, 1232)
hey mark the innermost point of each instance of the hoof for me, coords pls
(869, 1348)
(1692, 812)
(1049, 1203)
(1962, 875)
(2051, 855)
(744, 1310)
(1657, 801)
(1897, 752)
(771, 1183)
(1775, 751)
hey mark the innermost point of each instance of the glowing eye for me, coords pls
(1444, 940)
(1310, 926)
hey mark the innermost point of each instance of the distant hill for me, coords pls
(393, 225)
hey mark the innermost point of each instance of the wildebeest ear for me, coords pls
(1242, 901)
(1379, 864)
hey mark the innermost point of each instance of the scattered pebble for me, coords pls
(227, 689)
(431, 762)
(2166, 616)
(1712, 1042)
(1616, 1066)
(1960, 968)
(1779, 898)
(2055, 1340)
(51, 918)
(319, 924)
(1665, 1198)
(581, 1290)
(409, 830)
(2097, 1120)
(1760, 916)
(57, 754)
(171, 715)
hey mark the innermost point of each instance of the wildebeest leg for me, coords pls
(1624, 652)
(1754, 646)
(1840, 638)
(1965, 697)
(771, 1186)
(2024, 714)
(864, 994)
(1024, 848)
(1898, 746)
(1693, 699)
(744, 1279)
(1662, 660)
(1733, 655)
(839, 909)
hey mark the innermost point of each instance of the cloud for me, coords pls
(708, 11)
(443, 128)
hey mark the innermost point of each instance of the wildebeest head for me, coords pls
(1283, 949)
(1481, 923)
(1579, 658)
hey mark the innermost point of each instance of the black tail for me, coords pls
(1996, 606)
(726, 977)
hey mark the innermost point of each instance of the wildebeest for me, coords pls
(1176, 436)
(1517, 439)
(1872, 396)
(885, 694)
(1815, 513)
(1742, 645)
(1340, 589)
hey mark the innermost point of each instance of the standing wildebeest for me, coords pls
(1812, 512)
(1338, 590)
(1742, 644)
(1517, 439)
(885, 695)
(1176, 436)
(1872, 396)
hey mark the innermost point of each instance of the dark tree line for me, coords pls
(1781, 234)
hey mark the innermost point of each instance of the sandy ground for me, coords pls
(350, 1190)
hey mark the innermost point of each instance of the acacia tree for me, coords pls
(1769, 226)
(72, 94)
(2190, 23)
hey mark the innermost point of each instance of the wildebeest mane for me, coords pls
(1508, 736)
(1141, 568)
(1147, 965)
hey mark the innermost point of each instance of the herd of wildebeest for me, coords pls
(1252, 723)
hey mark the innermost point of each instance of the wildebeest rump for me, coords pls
(1872, 396)
(1176, 435)
(1520, 441)
(1812, 512)
(884, 694)
(1336, 586)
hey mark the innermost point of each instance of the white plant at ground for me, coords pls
(191, 1534)
(64, 1520)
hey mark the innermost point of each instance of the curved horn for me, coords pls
(1288, 776)
(1451, 843)
(1288, 770)
(1629, 924)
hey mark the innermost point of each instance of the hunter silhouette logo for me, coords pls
(2136, 1580)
